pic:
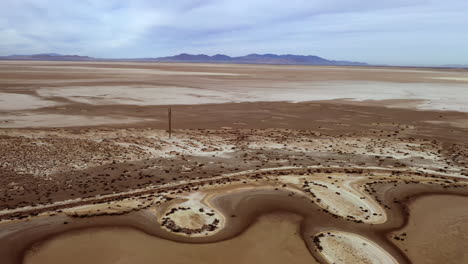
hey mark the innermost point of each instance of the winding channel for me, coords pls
(347, 214)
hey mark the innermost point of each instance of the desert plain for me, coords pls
(264, 163)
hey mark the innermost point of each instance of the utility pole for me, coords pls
(169, 115)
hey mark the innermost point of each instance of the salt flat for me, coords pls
(14, 101)
(26, 87)
(433, 96)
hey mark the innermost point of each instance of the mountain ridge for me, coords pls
(47, 57)
(288, 59)
(269, 58)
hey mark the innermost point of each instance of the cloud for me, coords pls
(397, 32)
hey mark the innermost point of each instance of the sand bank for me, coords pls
(342, 248)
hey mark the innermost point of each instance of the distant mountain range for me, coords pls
(201, 58)
(48, 57)
(259, 59)
(462, 66)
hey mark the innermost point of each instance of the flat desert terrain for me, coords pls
(264, 163)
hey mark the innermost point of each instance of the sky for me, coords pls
(393, 32)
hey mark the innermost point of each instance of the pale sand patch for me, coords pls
(460, 123)
(364, 146)
(381, 69)
(113, 207)
(258, 244)
(343, 247)
(57, 120)
(137, 95)
(13, 101)
(451, 78)
(344, 200)
(434, 96)
(193, 214)
(340, 195)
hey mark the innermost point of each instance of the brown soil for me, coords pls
(437, 231)
(258, 244)
(76, 150)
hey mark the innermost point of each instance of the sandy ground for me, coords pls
(342, 247)
(30, 89)
(437, 231)
(85, 160)
(435, 96)
(255, 245)
(119, 160)
(226, 194)
(13, 101)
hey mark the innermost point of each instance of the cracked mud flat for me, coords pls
(321, 182)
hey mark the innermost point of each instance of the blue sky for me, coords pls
(398, 32)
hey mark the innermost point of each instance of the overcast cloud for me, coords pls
(418, 32)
